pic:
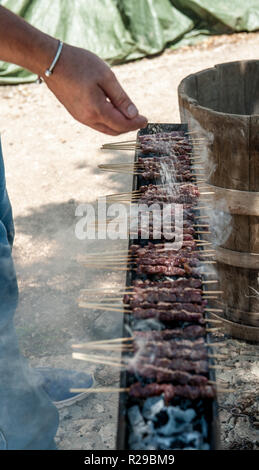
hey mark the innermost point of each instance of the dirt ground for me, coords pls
(51, 165)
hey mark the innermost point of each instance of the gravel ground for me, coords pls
(51, 168)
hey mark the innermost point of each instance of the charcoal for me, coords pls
(141, 436)
(163, 443)
(193, 439)
(152, 406)
(178, 421)
(184, 415)
(135, 417)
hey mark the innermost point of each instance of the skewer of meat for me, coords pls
(170, 391)
(152, 300)
(200, 366)
(157, 248)
(142, 341)
(167, 270)
(167, 316)
(191, 282)
(191, 332)
(167, 350)
(156, 294)
(162, 375)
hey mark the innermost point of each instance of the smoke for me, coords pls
(168, 175)
(220, 220)
(201, 148)
(220, 223)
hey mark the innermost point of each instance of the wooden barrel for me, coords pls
(221, 104)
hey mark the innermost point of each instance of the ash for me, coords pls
(160, 427)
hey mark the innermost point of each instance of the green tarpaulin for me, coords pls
(123, 30)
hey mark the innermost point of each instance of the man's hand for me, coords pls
(89, 90)
(81, 81)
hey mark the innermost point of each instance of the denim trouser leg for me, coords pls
(28, 419)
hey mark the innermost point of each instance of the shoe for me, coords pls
(58, 382)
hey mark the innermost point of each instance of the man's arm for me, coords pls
(81, 81)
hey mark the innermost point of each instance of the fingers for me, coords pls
(118, 97)
(114, 119)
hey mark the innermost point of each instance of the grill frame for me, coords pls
(211, 407)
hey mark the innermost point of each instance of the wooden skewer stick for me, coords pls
(120, 293)
(110, 268)
(127, 390)
(119, 299)
(138, 196)
(88, 358)
(137, 171)
(159, 143)
(169, 140)
(214, 310)
(121, 142)
(122, 147)
(203, 232)
(110, 309)
(109, 263)
(219, 366)
(127, 172)
(120, 343)
(112, 347)
(119, 305)
(214, 292)
(96, 361)
(218, 356)
(132, 261)
(136, 165)
(127, 309)
(129, 255)
(102, 290)
(118, 349)
(104, 342)
(107, 360)
(137, 192)
(133, 257)
(124, 267)
(128, 288)
(130, 147)
(115, 308)
(142, 166)
(201, 225)
(132, 292)
(117, 362)
(114, 359)
(100, 390)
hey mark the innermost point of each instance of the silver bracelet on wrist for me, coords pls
(49, 71)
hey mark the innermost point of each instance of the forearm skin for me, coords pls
(24, 45)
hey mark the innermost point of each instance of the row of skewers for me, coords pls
(177, 357)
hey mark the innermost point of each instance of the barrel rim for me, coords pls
(193, 101)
